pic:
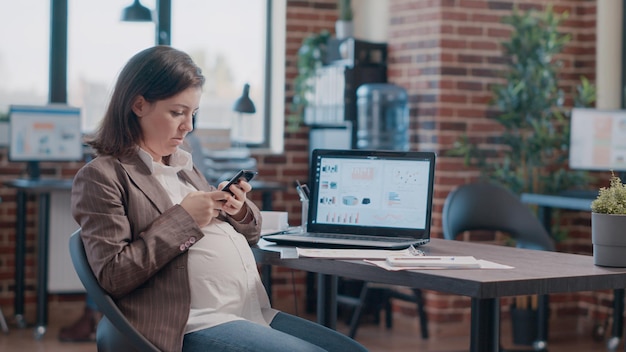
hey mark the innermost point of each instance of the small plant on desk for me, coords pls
(608, 220)
(612, 199)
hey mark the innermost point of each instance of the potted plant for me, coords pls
(344, 28)
(529, 105)
(311, 56)
(608, 222)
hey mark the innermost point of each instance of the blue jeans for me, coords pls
(288, 333)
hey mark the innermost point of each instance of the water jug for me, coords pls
(382, 117)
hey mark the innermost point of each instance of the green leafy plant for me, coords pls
(529, 106)
(310, 56)
(345, 10)
(611, 200)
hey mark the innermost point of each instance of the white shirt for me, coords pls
(223, 276)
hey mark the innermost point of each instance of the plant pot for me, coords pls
(608, 235)
(344, 29)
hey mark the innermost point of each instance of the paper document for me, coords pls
(482, 264)
(382, 257)
(449, 262)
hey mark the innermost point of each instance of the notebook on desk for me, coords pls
(367, 199)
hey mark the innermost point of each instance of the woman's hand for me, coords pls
(234, 205)
(204, 206)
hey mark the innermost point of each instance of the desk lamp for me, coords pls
(137, 13)
(243, 105)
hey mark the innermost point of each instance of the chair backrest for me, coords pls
(487, 206)
(115, 333)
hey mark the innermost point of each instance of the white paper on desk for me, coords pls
(448, 262)
(350, 253)
(484, 264)
(286, 252)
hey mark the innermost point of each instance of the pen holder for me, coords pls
(305, 214)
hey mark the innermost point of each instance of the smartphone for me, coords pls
(246, 175)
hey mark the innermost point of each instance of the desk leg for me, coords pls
(327, 300)
(20, 258)
(545, 216)
(266, 200)
(266, 279)
(266, 269)
(618, 320)
(42, 266)
(485, 330)
(543, 303)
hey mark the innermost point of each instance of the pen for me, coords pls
(305, 188)
(301, 192)
(303, 196)
(414, 251)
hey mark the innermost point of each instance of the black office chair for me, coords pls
(487, 206)
(380, 295)
(114, 332)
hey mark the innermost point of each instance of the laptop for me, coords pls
(367, 199)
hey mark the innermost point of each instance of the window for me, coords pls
(229, 45)
(24, 52)
(99, 45)
(228, 42)
(227, 39)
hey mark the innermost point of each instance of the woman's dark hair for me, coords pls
(156, 73)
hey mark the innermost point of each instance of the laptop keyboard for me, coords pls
(356, 237)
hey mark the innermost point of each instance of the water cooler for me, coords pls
(382, 117)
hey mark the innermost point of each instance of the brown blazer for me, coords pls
(136, 242)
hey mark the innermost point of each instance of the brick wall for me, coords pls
(447, 54)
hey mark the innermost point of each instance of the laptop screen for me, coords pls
(385, 193)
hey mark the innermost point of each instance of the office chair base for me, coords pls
(539, 346)
(612, 343)
(3, 323)
(20, 321)
(39, 331)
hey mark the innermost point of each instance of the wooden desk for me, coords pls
(535, 272)
(42, 188)
(581, 201)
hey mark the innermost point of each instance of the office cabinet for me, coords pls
(333, 101)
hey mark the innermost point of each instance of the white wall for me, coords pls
(62, 277)
(609, 54)
(371, 20)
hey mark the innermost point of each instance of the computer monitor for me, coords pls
(44, 133)
(598, 140)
